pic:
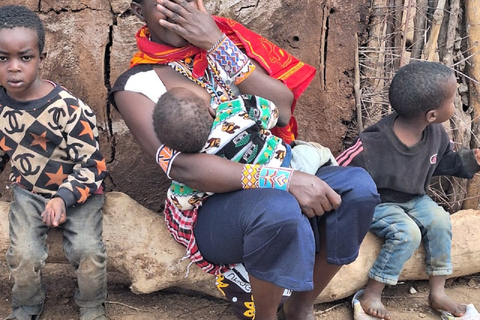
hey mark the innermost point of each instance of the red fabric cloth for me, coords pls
(279, 64)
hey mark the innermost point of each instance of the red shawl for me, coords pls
(279, 64)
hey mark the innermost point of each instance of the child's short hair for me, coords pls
(418, 87)
(181, 120)
(12, 16)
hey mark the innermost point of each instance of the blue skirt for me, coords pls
(266, 231)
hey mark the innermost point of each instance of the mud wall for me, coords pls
(90, 42)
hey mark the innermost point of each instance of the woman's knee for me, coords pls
(280, 201)
(354, 184)
(278, 208)
(281, 231)
(363, 186)
(278, 215)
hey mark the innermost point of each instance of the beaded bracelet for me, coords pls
(165, 157)
(233, 61)
(255, 176)
(244, 73)
(216, 44)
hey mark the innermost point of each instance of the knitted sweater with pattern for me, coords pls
(52, 145)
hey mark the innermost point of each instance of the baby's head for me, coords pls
(419, 87)
(182, 120)
(13, 16)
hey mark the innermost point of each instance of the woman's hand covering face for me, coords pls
(191, 21)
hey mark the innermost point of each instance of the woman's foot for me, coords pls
(440, 301)
(373, 306)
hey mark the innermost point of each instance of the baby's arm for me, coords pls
(54, 213)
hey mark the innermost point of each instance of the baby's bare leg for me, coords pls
(439, 300)
(371, 300)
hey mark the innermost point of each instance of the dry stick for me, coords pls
(329, 309)
(431, 45)
(391, 22)
(451, 34)
(419, 25)
(398, 35)
(472, 17)
(376, 60)
(323, 34)
(404, 31)
(125, 305)
(357, 89)
(381, 58)
(475, 52)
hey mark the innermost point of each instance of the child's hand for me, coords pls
(476, 152)
(54, 213)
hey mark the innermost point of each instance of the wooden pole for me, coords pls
(357, 89)
(431, 46)
(404, 40)
(472, 13)
(419, 32)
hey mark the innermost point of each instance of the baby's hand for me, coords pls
(54, 213)
(476, 152)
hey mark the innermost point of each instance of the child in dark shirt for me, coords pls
(51, 140)
(402, 152)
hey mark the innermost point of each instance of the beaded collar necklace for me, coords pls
(211, 81)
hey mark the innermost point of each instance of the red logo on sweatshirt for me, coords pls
(433, 159)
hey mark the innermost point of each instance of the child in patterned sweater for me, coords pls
(51, 140)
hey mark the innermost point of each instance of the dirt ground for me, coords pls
(176, 304)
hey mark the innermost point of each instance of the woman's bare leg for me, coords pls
(267, 297)
(300, 304)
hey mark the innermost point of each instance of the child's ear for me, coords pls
(43, 56)
(137, 10)
(431, 116)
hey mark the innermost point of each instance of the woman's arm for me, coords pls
(137, 110)
(201, 171)
(197, 26)
(215, 174)
(261, 84)
(212, 173)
